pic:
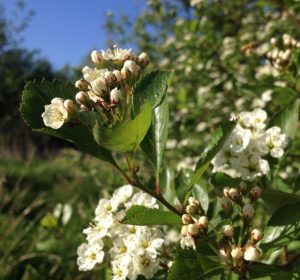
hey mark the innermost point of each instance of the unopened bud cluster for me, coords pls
(194, 224)
(102, 88)
(281, 58)
(242, 196)
(234, 242)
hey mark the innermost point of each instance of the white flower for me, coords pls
(55, 114)
(122, 194)
(119, 270)
(89, 256)
(274, 142)
(239, 139)
(237, 252)
(188, 241)
(66, 213)
(141, 198)
(90, 74)
(132, 67)
(117, 54)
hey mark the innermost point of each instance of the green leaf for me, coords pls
(182, 182)
(150, 88)
(287, 215)
(274, 199)
(49, 221)
(126, 136)
(201, 194)
(36, 95)
(166, 185)
(260, 271)
(283, 227)
(189, 264)
(219, 138)
(287, 119)
(221, 180)
(143, 216)
(155, 140)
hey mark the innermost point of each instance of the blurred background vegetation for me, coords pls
(217, 50)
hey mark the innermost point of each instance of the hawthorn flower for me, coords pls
(55, 114)
(89, 255)
(188, 241)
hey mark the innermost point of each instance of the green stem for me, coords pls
(242, 225)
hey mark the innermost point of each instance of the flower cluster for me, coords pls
(235, 241)
(102, 89)
(134, 250)
(281, 58)
(242, 154)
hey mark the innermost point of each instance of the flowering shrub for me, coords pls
(231, 219)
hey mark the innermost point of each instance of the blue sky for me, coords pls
(66, 30)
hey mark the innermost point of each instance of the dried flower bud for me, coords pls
(99, 87)
(115, 96)
(186, 219)
(191, 209)
(70, 106)
(251, 253)
(255, 193)
(256, 235)
(194, 202)
(118, 75)
(143, 59)
(184, 230)
(202, 222)
(96, 57)
(226, 204)
(237, 253)
(81, 84)
(228, 230)
(82, 98)
(248, 211)
(193, 229)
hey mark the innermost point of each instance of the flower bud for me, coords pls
(115, 96)
(191, 209)
(298, 45)
(96, 57)
(184, 230)
(275, 54)
(99, 87)
(125, 73)
(70, 106)
(82, 98)
(228, 230)
(118, 75)
(255, 193)
(243, 188)
(224, 252)
(226, 204)
(202, 222)
(234, 194)
(194, 202)
(226, 191)
(110, 78)
(248, 211)
(251, 253)
(287, 40)
(193, 229)
(186, 219)
(256, 235)
(132, 67)
(81, 85)
(273, 41)
(294, 42)
(286, 55)
(143, 59)
(237, 252)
